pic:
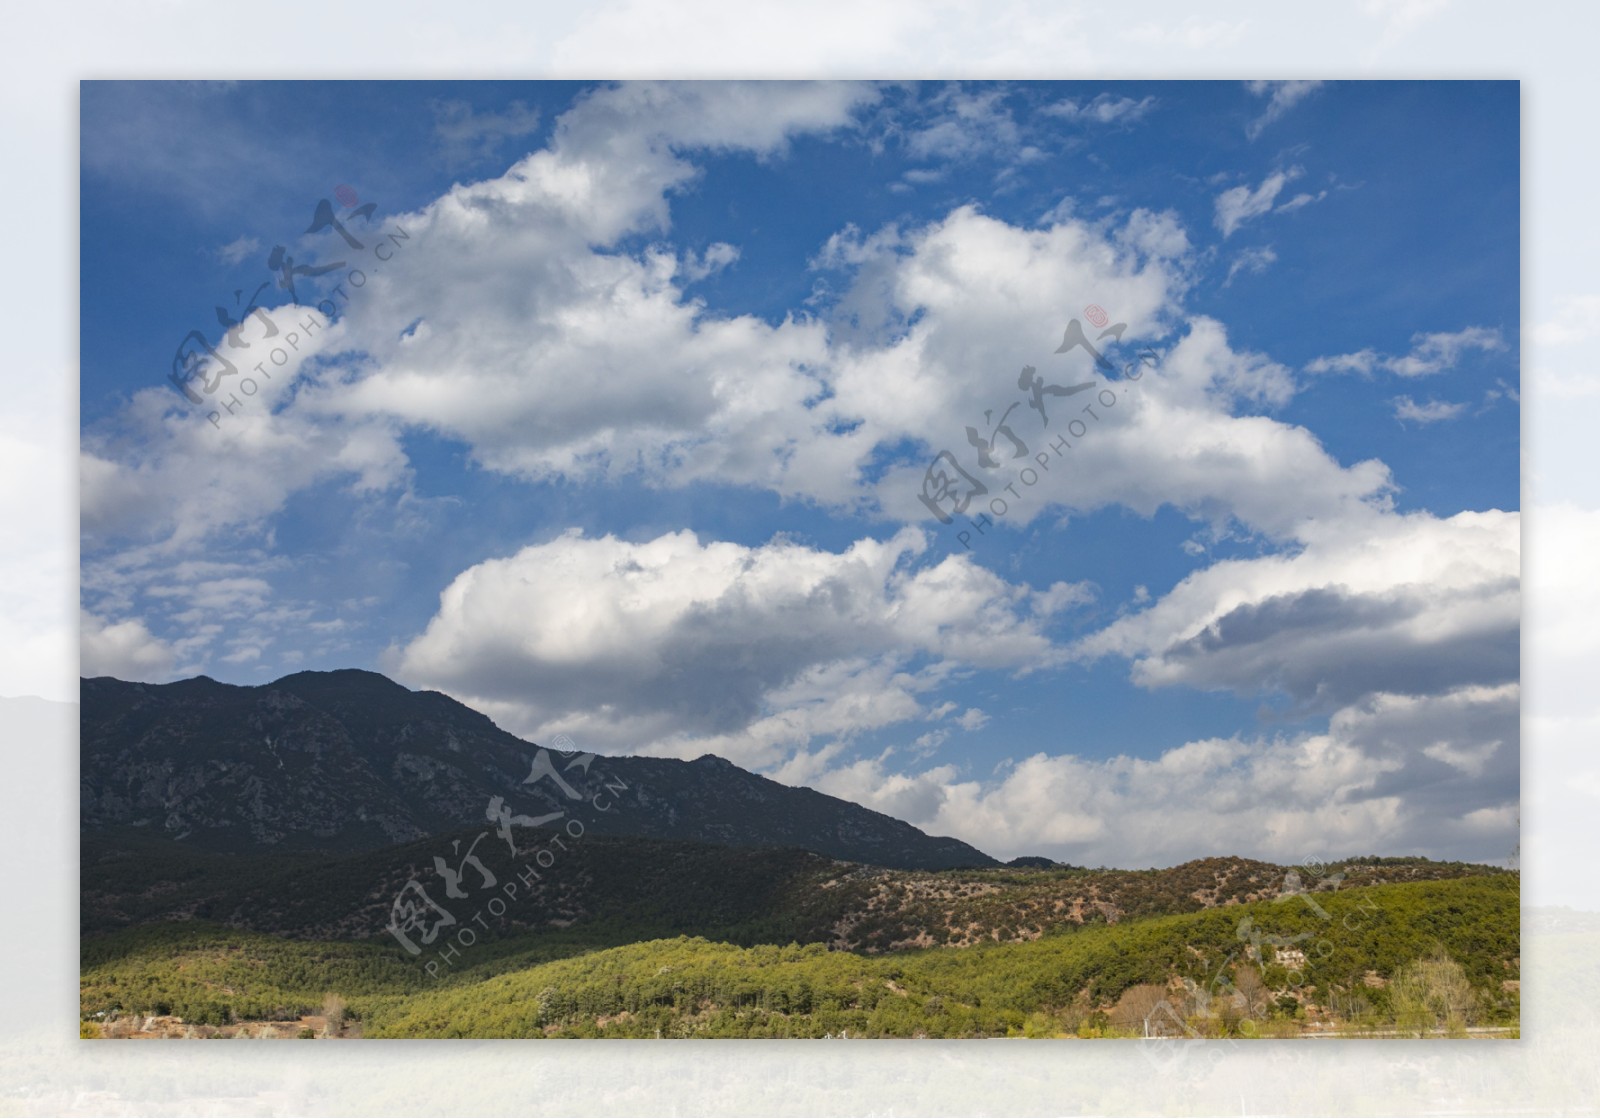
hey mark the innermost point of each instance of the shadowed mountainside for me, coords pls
(622, 888)
(351, 761)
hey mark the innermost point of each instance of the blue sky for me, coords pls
(625, 439)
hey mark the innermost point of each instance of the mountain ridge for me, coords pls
(349, 760)
(663, 887)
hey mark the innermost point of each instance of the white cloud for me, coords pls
(678, 646)
(501, 325)
(925, 745)
(124, 649)
(1410, 604)
(1434, 411)
(1251, 262)
(1430, 353)
(467, 137)
(1434, 353)
(601, 368)
(162, 483)
(1284, 96)
(1405, 627)
(511, 324)
(163, 470)
(238, 249)
(1173, 440)
(965, 125)
(1240, 204)
(227, 608)
(1176, 442)
(972, 719)
(1362, 362)
(1061, 596)
(1301, 200)
(612, 158)
(1105, 108)
(717, 256)
(1434, 775)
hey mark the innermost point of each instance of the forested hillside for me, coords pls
(273, 861)
(1420, 956)
(662, 888)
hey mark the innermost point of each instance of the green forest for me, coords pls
(1435, 957)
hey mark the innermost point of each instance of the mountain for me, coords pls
(617, 889)
(627, 937)
(350, 761)
(1032, 862)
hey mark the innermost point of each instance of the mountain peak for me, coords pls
(350, 760)
(714, 761)
(342, 677)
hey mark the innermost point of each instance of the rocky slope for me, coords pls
(351, 761)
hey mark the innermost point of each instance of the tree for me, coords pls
(1433, 992)
(1139, 1010)
(333, 1008)
(1252, 992)
(1353, 1007)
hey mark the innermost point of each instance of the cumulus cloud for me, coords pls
(1430, 354)
(677, 646)
(1402, 628)
(163, 480)
(714, 259)
(597, 366)
(164, 471)
(1436, 775)
(972, 719)
(1173, 440)
(1410, 604)
(540, 319)
(503, 325)
(125, 649)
